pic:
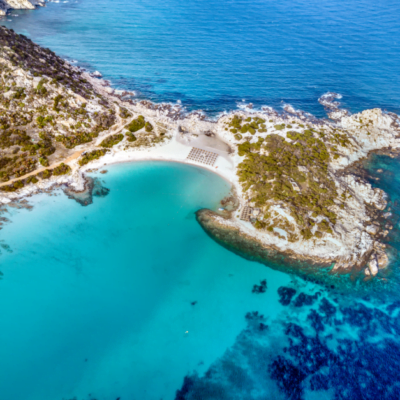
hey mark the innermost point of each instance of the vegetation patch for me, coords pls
(148, 127)
(136, 124)
(92, 155)
(293, 174)
(61, 169)
(112, 140)
(130, 137)
(251, 125)
(124, 113)
(13, 187)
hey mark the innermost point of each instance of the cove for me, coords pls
(124, 297)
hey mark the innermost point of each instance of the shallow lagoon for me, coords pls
(128, 296)
(98, 299)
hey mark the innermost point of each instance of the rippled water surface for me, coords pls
(128, 297)
(123, 297)
(212, 54)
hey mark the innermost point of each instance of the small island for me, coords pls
(291, 174)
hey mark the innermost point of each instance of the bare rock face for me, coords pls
(3, 7)
(373, 267)
(379, 260)
(372, 229)
(20, 4)
(6, 5)
(382, 259)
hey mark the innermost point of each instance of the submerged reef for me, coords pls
(93, 188)
(288, 359)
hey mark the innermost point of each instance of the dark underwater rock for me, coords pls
(261, 288)
(299, 360)
(305, 299)
(327, 309)
(286, 294)
(315, 321)
(93, 187)
(288, 377)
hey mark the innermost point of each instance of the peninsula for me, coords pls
(290, 172)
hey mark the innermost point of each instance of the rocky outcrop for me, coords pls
(6, 5)
(297, 195)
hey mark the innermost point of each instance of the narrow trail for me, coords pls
(114, 130)
(36, 171)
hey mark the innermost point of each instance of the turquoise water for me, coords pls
(327, 343)
(129, 298)
(212, 54)
(97, 300)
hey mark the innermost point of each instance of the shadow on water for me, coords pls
(334, 344)
(332, 350)
(93, 188)
(322, 274)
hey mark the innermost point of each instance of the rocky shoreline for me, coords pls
(7, 5)
(291, 172)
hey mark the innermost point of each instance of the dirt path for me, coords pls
(117, 128)
(36, 171)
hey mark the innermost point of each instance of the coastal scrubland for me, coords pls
(289, 171)
(293, 175)
(44, 103)
(292, 170)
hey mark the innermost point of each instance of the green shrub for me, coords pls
(236, 122)
(124, 113)
(79, 137)
(32, 179)
(42, 121)
(57, 100)
(93, 155)
(13, 187)
(131, 137)
(306, 233)
(40, 89)
(244, 148)
(259, 224)
(61, 169)
(44, 161)
(46, 174)
(148, 127)
(112, 140)
(136, 124)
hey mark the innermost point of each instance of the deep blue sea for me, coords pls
(213, 54)
(128, 298)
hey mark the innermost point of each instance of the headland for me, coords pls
(290, 171)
